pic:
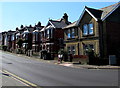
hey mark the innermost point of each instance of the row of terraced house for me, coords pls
(96, 29)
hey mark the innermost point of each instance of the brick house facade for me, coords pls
(97, 29)
(36, 41)
(52, 35)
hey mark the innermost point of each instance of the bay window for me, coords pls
(87, 47)
(71, 50)
(71, 33)
(68, 49)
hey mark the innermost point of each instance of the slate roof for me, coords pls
(71, 25)
(108, 9)
(58, 24)
(103, 12)
(99, 14)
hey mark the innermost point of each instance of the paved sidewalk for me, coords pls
(77, 65)
(9, 81)
(90, 66)
(71, 64)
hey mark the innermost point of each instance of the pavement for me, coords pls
(10, 81)
(77, 65)
(71, 64)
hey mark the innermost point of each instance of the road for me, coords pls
(46, 74)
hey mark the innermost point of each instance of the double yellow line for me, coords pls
(23, 81)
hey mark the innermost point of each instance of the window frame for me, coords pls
(72, 32)
(71, 50)
(13, 37)
(68, 34)
(86, 47)
(88, 29)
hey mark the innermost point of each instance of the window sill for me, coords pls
(72, 38)
(88, 35)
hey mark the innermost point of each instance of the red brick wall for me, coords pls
(59, 33)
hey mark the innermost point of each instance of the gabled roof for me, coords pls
(95, 12)
(99, 14)
(58, 24)
(108, 10)
(71, 25)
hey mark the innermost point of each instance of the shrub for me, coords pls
(4, 47)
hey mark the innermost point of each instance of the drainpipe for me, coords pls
(101, 42)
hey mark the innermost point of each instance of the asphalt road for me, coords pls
(45, 74)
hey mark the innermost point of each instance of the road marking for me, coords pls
(20, 79)
(14, 78)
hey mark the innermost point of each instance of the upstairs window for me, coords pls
(68, 34)
(26, 36)
(88, 29)
(51, 32)
(36, 36)
(48, 33)
(73, 33)
(13, 37)
(9, 38)
(17, 35)
(85, 29)
(1, 37)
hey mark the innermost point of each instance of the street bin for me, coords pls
(112, 60)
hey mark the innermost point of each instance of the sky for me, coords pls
(15, 14)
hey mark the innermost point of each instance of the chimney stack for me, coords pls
(65, 17)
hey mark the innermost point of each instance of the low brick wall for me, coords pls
(82, 59)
